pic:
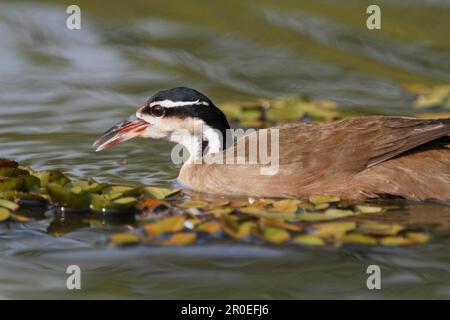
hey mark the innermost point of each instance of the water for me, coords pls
(59, 89)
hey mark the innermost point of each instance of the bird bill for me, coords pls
(121, 132)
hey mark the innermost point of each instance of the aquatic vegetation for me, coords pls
(170, 217)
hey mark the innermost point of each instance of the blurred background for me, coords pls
(61, 88)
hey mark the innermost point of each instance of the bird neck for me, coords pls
(200, 144)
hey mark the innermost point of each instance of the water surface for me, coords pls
(60, 88)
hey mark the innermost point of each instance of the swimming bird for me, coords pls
(360, 158)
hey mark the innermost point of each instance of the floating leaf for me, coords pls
(330, 214)
(9, 205)
(368, 209)
(286, 206)
(275, 235)
(217, 212)
(104, 203)
(5, 214)
(23, 196)
(323, 199)
(234, 229)
(19, 218)
(395, 241)
(253, 209)
(124, 238)
(52, 176)
(152, 205)
(171, 224)
(193, 204)
(88, 186)
(12, 172)
(309, 240)
(333, 229)
(159, 193)
(382, 229)
(418, 237)
(64, 197)
(22, 183)
(355, 238)
(180, 239)
(210, 227)
(280, 224)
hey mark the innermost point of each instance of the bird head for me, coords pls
(181, 115)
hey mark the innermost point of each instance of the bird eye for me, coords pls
(158, 111)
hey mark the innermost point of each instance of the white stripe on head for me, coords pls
(171, 104)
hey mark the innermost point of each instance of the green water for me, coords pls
(60, 88)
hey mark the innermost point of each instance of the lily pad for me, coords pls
(52, 176)
(210, 227)
(286, 206)
(382, 229)
(180, 239)
(9, 205)
(193, 204)
(275, 235)
(124, 239)
(323, 199)
(329, 214)
(5, 214)
(159, 193)
(171, 224)
(61, 196)
(309, 240)
(368, 209)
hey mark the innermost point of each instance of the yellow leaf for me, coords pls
(193, 204)
(253, 209)
(323, 199)
(333, 229)
(368, 209)
(171, 224)
(382, 229)
(356, 238)
(279, 224)
(123, 238)
(234, 229)
(5, 214)
(180, 239)
(395, 241)
(309, 240)
(9, 205)
(210, 227)
(275, 235)
(286, 206)
(159, 193)
(418, 237)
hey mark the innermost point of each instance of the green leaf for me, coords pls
(159, 193)
(286, 206)
(309, 240)
(323, 199)
(333, 229)
(61, 196)
(355, 238)
(275, 235)
(9, 205)
(193, 204)
(22, 183)
(368, 209)
(381, 229)
(5, 214)
(171, 224)
(330, 214)
(52, 176)
(12, 172)
(121, 239)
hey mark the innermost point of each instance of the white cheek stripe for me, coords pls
(171, 104)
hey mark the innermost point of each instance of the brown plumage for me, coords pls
(355, 159)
